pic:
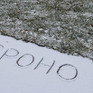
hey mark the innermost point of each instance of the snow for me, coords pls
(28, 68)
(88, 14)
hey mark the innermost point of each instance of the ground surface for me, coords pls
(63, 25)
(28, 68)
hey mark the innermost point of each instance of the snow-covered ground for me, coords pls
(28, 68)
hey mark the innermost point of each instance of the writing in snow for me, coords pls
(59, 72)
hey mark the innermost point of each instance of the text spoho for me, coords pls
(32, 58)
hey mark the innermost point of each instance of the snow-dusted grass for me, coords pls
(63, 25)
(22, 72)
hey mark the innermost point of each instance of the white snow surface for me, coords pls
(21, 70)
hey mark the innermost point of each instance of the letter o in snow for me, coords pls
(25, 60)
(67, 72)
